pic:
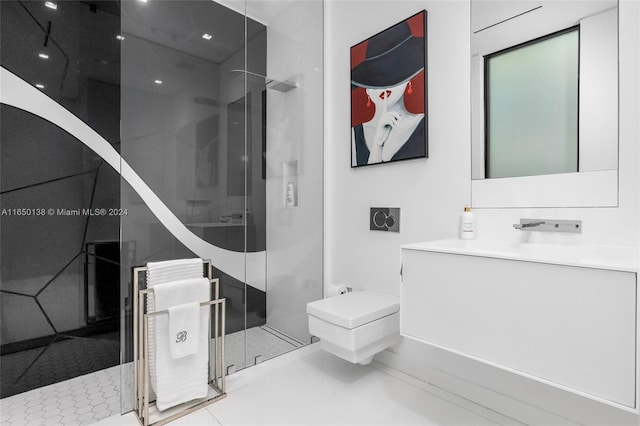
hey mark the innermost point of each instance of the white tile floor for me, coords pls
(311, 387)
(92, 397)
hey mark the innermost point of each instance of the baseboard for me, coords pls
(510, 395)
(448, 386)
(492, 415)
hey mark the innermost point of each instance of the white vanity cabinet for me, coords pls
(571, 325)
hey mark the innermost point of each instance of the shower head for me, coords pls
(280, 86)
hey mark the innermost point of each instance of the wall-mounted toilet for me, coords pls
(357, 325)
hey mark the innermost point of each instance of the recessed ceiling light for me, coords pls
(143, 1)
(40, 86)
(51, 5)
(119, 37)
(43, 55)
(207, 36)
(157, 81)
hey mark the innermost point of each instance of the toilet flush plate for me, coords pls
(384, 219)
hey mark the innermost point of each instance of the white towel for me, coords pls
(172, 270)
(184, 326)
(183, 379)
(162, 273)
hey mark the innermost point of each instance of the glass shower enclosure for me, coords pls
(221, 158)
(59, 275)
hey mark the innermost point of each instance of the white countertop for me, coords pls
(616, 258)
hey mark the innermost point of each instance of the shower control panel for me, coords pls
(384, 219)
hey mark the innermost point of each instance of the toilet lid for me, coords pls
(354, 309)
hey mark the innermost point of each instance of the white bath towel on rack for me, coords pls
(184, 327)
(161, 273)
(182, 379)
(172, 270)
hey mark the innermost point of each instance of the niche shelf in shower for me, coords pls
(290, 183)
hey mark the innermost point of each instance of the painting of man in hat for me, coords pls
(388, 96)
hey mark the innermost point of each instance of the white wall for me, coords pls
(432, 192)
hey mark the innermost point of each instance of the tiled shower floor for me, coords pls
(78, 401)
(57, 362)
(87, 399)
(262, 343)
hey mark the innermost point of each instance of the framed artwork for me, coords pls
(389, 94)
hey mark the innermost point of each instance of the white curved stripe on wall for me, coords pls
(16, 92)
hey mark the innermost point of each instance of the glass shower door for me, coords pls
(222, 137)
(292, 167)
(183, 143)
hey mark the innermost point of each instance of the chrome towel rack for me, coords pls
(145, 408)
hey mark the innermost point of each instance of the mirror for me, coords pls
(544, 95)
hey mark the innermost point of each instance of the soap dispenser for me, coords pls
(467, 224)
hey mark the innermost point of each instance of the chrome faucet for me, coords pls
(528, 224)
(549, 225)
